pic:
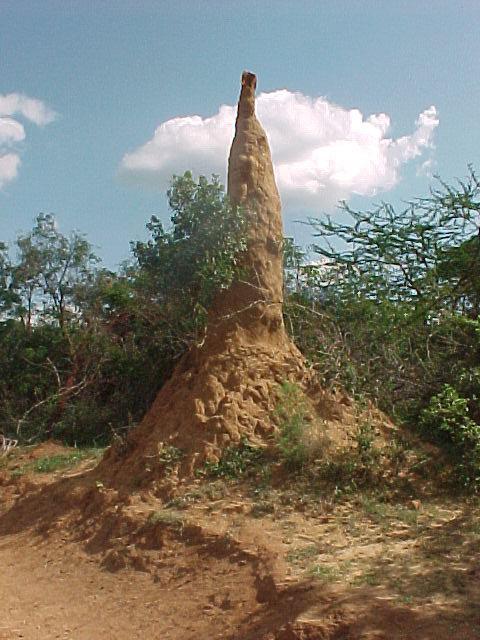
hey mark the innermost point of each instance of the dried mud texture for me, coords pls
(81, 561)
(226, 389)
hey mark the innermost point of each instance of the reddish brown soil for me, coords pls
(80, 560)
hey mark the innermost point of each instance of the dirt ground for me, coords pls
(228, 560)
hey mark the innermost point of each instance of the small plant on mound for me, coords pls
(171, 519)
(291, 412)
(324, 573)
(168, 456)
(236, 461)
(368, 455)
(262, 508)
(360, 466)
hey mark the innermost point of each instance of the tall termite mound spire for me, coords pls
(225, 389)
(251, 183)
(254, 302)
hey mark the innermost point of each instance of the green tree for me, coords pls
(51, 271)
(426, 252)
(182, 268)
(8, 296)
(46, 348)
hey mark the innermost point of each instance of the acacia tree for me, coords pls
(45, 353)
(428, 252)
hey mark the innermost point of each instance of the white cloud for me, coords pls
(34, 110)
(12, 132)
(321, 151)
(9, 164)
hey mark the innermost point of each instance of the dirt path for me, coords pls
(48, 592)
(52, 590)
(225, 561)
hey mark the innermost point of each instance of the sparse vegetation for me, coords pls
(57, 462)
(83, 350)
(237, 461)
(170, 518)
(324, 573)
(169, 455)
(291, 412)
(391, 317)
(391, 313)
(302, 553)
(262, 508)
(64, 461)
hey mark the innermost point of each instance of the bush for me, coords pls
(83, 350)
(236, 461)
(291, 413)
(447, 419)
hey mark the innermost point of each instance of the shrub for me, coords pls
(447, 419)
(236, 461)
(291, 413)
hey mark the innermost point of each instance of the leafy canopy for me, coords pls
(428, 252)
(199, 255)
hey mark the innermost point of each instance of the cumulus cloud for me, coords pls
(30, 108)
(12, 132)
(322, 152)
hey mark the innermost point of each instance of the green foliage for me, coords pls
(324, 573)
(389, 303)
(368, 454)
(50, 273)
(169, 456)
(447, 418)
(391, 309)
(8, 297)
(291, 413)
(60, 461)
(236, 461)
(302, 553)
(202, 248)
(84, 350)
(350, 470)
(408, 255)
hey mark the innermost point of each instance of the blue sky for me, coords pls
(108, 74)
